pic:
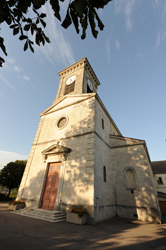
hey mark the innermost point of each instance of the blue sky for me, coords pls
(128, 57)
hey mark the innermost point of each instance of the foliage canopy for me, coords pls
(79, 12)
(11, 174)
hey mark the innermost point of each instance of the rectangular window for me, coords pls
(159, 181)
(69, 88)
(102, 123)
(59, 167)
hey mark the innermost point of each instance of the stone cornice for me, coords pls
(117, 137)
(86, 97)
(82, 63)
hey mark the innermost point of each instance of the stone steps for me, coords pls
(41, 214)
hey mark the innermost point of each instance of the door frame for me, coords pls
(48, 166)
(60, 183)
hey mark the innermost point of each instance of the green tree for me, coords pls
(11, 174)
(79, 12)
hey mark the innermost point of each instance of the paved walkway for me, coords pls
(17, 232)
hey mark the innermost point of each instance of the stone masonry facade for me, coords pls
(102, 172)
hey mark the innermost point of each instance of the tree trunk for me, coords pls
(9, 193)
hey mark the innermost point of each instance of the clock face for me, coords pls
(90, 85)
(70, 80)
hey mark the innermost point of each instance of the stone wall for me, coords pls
(76, 183)
(139, 201)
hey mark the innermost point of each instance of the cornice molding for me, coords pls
(86, 97)
(56, 149)
(117, 137)
(74, 67)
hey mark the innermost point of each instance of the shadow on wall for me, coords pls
(136, 196)
(78, 186)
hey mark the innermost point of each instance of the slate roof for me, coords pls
(158, 167)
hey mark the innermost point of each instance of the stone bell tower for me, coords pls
(79, 78)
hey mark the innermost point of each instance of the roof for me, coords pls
(161, 194)
(158, 167)
(83, 61)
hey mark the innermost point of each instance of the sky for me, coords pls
(128, 57)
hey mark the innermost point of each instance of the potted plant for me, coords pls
(16, 205)
(77, 216)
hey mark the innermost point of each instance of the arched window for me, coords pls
(102, 123)
(130, 179)
(104, 174)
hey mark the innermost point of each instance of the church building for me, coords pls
(80, 159)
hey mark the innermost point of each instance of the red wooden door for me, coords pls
(51, 186)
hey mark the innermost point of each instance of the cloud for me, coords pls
(9, 84)
(117, 44)
(126, 6)
(128, 12)
(6, 82)
(1, 95)
(17, 69)
(139, 54)
(160, 37)
(59, 50)
(10, 60)
(160, 7)
(158, 40)
(107, 45)
(26, 78)
(6, 157)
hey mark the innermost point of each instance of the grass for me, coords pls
(13, 195)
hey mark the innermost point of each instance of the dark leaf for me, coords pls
(37, 39)
(42, 15)
(30, 46)
(56, 8)
(29, 20)
(38, 3)
(26, 45)
(13, 26)
(1, 61)
(43, 23)
(79, 6)
(37, 20)
(15, 31)
(84, 24)
(74, 19)
(67, 21)
(27, 27)
(22, 37)
(21, 31)
(42, 39)
(34, 26)
(32, 30)
(46, 38)
(100, 24)
(92, 22)
(99, 3)
(30, 42)
(8, 20)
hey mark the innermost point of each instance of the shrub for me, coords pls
(78, 211)
(16, 202)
